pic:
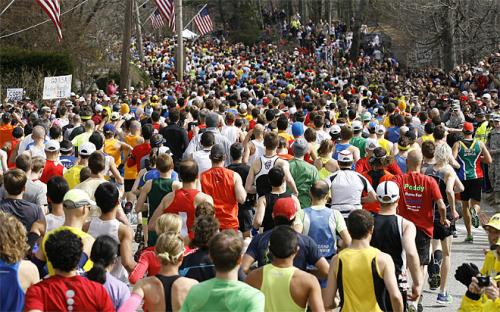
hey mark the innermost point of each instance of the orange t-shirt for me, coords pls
(218, 182)
(5, 134)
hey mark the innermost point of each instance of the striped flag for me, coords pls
(203, 22)
(53, 10)
(166, 8)
(157, 20)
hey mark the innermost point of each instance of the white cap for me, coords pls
(81, 99)
(335, 129)
(495, 117)
(243, 106)
(98, 108)
(164, 150)
(387, 192)
(486, 96)
(345, 156)
(115, 115)
(357, 125)
(72, 94)
(371, 144)
(379, 129)
(105, 98)
(86, 149)
(52, 146)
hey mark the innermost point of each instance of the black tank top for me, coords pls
(167, 282)
(439, 177)
(387, 237)
(268, 222)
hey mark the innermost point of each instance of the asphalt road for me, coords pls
(461, 252)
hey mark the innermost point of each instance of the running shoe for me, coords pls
(444, 299)
(420, 307)
(474, 217)
(435, 279)
(469, 239)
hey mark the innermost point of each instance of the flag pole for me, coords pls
(192, 19)
(179, 57)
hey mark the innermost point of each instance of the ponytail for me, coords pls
(97, 273)
(104, 252)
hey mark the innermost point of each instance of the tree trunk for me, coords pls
(127, 32)
(359, 19)
(449, 58)
(222, 17)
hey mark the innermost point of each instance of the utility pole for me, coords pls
(138, 31)
(179, 57)
(125, 61)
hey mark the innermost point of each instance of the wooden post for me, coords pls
(179, 57)
(138, 31)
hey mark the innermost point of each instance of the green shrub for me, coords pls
(46, 62)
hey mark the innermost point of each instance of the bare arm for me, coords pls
(142, 197)
(330, 291)
(260, 210)
(249, 183)
(249, 147)
(442, 213)
(486, 154)
(388, 273)
(323, 267)
(315, 301)
(413, 262)
(164, 204)
(246, 262)
(116, 173)
(346, 238)
(288, 177)
(455, 149)
(239, 190)
(135, 187)
(126, 237)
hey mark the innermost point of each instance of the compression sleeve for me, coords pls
(132, 303)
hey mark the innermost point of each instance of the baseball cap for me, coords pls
(479, 112)
(243, 107)
(115, 116)
(164, 150)
(217, 152)
(494, 222)
(495, 117)
(299, 147)
(366, 116)
(357, 125)
(157, 140)
(285, 207)
(372, 124)
(109, 128)
(387, 192)
(76, 198)
(371, 144)
(486, 96)
(468, 127)
(98, 108)
(335, 129)
(297, 129)
(52, 146)
(72, 94)
(345, 156)
(86, 149)
(66, 146)
(379, 129)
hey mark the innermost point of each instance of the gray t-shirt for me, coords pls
(26, 212)
(34, 193)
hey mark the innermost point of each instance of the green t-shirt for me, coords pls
(223, 295)
(360, 143)
(304, 175)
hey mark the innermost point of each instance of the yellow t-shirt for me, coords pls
(130, 173)
(72, 175)
(78, 232)
(111, 149)
(491, 265)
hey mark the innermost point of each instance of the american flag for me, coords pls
(203, 22)
(157, 20)
(53, 10)
(166, 8)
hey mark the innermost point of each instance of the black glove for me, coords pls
(465, 272)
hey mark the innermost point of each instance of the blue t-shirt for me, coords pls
(67, 161)
(155, 174)
(393, 134)
(12, 296)
(308, 250)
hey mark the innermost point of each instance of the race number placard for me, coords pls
(15, 94)
(57, 87)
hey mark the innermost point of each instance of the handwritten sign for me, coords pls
(15, 94)
(57, 87)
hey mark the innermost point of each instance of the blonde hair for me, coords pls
(169, 248)
(13, 244)
(442, 153)
(169, 223)
(37, 164)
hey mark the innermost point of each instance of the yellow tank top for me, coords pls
(385, 145)
(276, 289)
(359, 277)
(427, 137)
(78, 232)
(323, 172)
(72, 175)
(111, 149)
(130, 173)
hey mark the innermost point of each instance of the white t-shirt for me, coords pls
(53, 222)
(202, 158)
(346, 187)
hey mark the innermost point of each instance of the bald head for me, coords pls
(38, 133)
(414, 160)
(258, 130)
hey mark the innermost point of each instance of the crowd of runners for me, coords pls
(268, 180)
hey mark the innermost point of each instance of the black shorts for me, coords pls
(245, 217)
(128, 184)
(423, 243)
(440, 231)
(472, 190)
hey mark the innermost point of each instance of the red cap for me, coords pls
(285, 207)
(468, 127)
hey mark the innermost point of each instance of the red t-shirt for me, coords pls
(137, 154)
(418, 193)
(363, 165)
(58, 293)
(52, 168)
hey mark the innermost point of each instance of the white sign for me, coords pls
(15, 94)
(57, 87)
